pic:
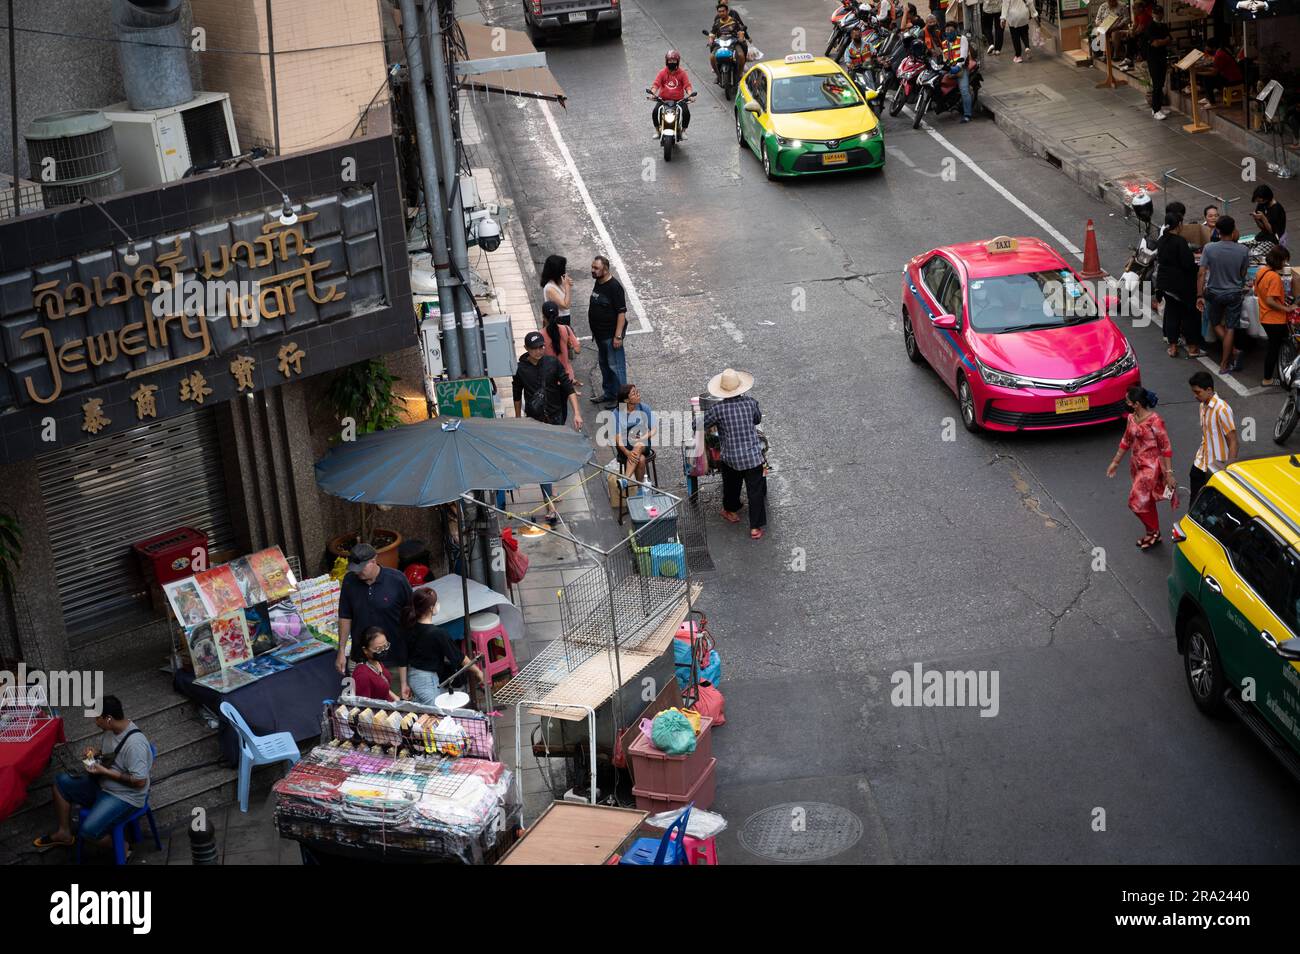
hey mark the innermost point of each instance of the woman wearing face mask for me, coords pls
(371, 676)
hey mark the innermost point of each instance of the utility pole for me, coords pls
(432, 194)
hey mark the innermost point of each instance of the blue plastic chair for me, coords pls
(257, 750)
(661, 851)
(129, 825)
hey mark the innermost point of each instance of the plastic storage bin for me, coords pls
(652, 530)
(701, 794)
(658, 771)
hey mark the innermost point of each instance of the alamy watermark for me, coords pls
(193, 297)
(62, 688)
(946, 688)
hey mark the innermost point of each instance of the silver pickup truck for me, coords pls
(545, 17)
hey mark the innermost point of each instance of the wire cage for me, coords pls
(427, 736)
(24, 711)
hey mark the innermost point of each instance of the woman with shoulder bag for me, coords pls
(1175, 287)
(1016, 15)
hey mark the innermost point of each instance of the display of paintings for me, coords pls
(318, 600)
(273, 573)
(258, 620)
(297, 652)
(203, 650)
(286, 623)
(220, 590)
(249, 587)
(230, 633)
(262, 666)
(226, 680)
(187, 601)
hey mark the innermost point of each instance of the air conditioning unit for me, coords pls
(160, 145)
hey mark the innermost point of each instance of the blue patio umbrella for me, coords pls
(434, 462)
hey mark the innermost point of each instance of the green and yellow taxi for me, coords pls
(1234, 596)
(804, 115)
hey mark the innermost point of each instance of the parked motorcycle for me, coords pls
(898, 50)
(725, 49)
(843, 20)
(907, 76)
(1290, 413)
(939, 91)
(1139, 269)
(669, 126)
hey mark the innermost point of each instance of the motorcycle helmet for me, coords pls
(672, 58)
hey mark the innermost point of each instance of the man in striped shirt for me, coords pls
(736, 417)
(1218, 432)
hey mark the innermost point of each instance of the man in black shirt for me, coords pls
(1269, 216)
(1155, 39)
(372, 595)
(607, 313)
(541, 391)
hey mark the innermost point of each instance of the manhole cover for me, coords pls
(1094, 145)
(1022, 97)
(801, 831)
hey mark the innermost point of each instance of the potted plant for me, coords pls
(364, 393)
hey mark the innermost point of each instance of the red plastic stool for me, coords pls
(701, 851)
(490, 641)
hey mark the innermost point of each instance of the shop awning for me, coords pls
(506, 62)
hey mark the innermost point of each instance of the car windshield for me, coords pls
(803, 94)
(1049, 299)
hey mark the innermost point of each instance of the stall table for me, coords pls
(21, 763)
(572, 834)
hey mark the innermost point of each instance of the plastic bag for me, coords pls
(711, 703)
(712, 670)
(516, 566)
(692, 717)
(700, 824)
(673, 734)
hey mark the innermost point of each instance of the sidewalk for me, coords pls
(1105, 139)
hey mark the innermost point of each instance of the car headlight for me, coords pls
(1000, 379)
(788, 143)
(1126, 362)
(868, 136)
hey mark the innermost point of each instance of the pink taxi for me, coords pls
(1017, 335)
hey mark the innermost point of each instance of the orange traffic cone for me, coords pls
(1091, 260)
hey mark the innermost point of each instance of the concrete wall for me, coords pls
(322, 93)
(58, 72)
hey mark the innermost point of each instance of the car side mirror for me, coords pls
(870, 95)
(754, 108)
(945, 322)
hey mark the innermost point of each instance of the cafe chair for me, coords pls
(257, 750)
(130, 825)
(668, 850)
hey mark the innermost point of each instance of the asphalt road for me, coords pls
(889, 545)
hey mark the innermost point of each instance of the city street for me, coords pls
(895, 536)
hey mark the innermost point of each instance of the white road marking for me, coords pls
(615, 259)
(1000, 189)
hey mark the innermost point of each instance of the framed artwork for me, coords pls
(258, 621)
(187, 602)
(230, 633)
(286, 623)
(249, 587)
(273, 573)
(203, 650)
(220, 590)
(261, 666)
(303, 650)
(226, 680)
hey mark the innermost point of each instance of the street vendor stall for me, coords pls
(569, 834)
(399, 781)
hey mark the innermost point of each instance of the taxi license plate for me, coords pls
(1071, 404)
(834, 158)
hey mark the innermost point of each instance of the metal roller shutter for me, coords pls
(106, 494)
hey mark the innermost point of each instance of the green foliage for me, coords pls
(364, 392)
(11, 548)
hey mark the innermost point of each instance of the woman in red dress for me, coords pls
(1151, 463)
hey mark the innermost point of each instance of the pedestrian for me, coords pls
(372, 596)
(1016, 15)
(1272, 308)
(371, 679)
(1175, 285)
(1269, 216)
(561, 343)
(956, 55)
(607, 313)
(543, 392)
(937, 11)
(115, 784)
(1221, 288)
(1219, 446)
(557, 286)
(994, 9)
(431, 652)
(1157, 39)
(1150, 463)
(634, 432)
(1210, 218)
(737, 416)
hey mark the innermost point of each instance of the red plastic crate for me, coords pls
(657, 771)
(701, 794)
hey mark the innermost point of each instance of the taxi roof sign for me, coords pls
(1001, 244)
(800, 58)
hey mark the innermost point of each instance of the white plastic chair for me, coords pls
(257, 750)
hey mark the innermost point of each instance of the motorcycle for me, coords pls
(669, 128)
(843, 20)
(1290, 413)
(939, 91)
(1140, 267)
(906, 75)
(724, 50)
(897, 51)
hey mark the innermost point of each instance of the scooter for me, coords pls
(724, 55)
(939, 91)
(898, 49)
(1140, 267)
(907, 76)
(1290, 413)
(669, 127)
(843, 20)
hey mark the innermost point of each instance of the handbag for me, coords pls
(516, 565)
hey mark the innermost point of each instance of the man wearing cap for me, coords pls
(737, 417)
(541, 390)
(373, 595)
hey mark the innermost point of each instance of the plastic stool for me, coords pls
(701, 851)
(485, 629)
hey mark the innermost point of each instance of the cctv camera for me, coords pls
(488, 234)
